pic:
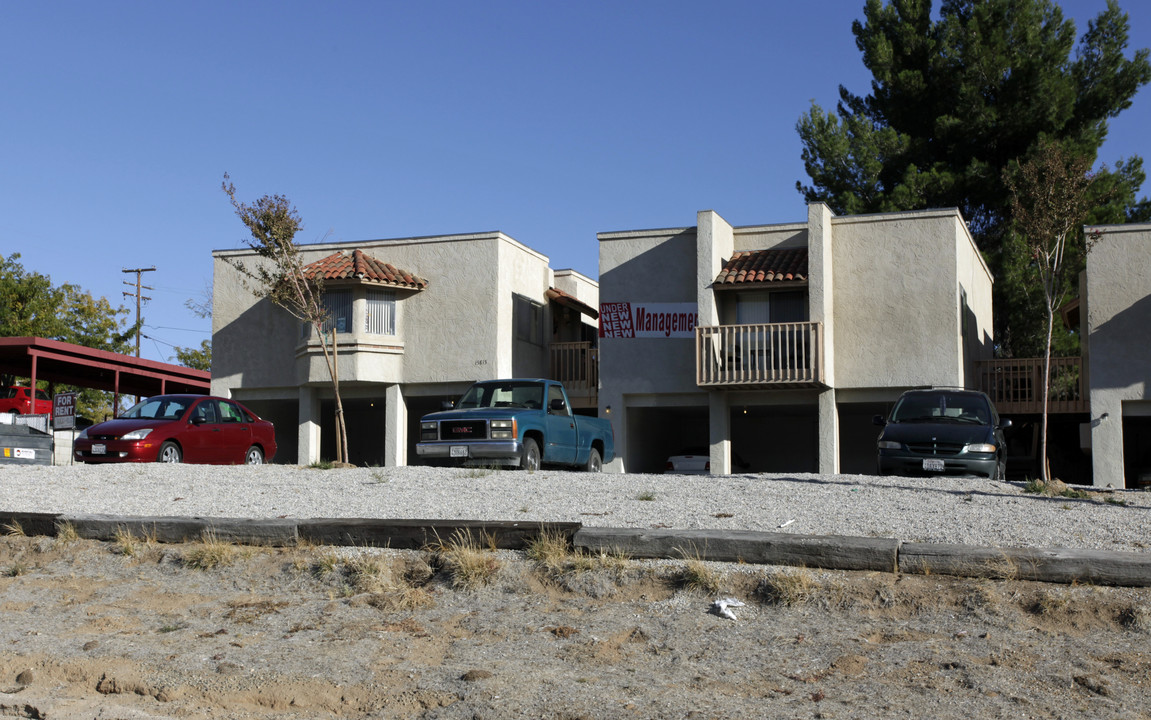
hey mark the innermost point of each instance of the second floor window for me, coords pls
(380, 312)
(528, 318)
(338, 303)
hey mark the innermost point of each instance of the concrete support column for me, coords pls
(719, 423)
(309, 426)
(613, 409)
(395, 427)
(1107, 467)
(828, 433)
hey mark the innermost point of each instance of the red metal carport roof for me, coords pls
(61, 362)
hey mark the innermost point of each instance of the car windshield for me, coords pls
(158, 408)
(505, 394)
(942, 407)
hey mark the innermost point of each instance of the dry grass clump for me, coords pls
(697, 575)
(1136, 617)
(467, 563)
(791, 587)
(982, 596)
(1048, 602)
(144, 547)
(553, 553)
(385, 583)
(14, 529)
(1054, 488)
(66, 533)
(211, 552)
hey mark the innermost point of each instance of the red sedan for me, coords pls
(180, 428)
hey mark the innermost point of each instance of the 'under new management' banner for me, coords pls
(648, 320)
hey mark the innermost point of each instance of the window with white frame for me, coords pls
(338, 303)
(380, 312)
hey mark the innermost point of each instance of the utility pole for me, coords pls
(139, 298)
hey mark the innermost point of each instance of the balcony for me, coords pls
(761, 355)
(1015, 385)
(576, 365)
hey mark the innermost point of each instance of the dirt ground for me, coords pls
(133, 630)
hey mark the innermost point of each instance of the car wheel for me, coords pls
(255, 456)
(1001, 470)
(530, 457)
(170, 453)
(594, 462)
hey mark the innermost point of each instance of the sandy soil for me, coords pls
(133, 630)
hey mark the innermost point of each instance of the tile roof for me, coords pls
(762, 266)
(359, 266)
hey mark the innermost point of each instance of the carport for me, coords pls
(60, 362)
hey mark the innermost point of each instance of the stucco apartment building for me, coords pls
(417, 320)
(775, 345)
(1115, 323)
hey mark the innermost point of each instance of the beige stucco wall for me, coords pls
(653, 266)
(886, 288)
(1118, 315)
(459, 327)
(457, 330)
(897, 299)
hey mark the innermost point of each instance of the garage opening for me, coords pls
(417, 408)
(364, 418)
(656, 433)
(857, 436)
(775, 439)
(1137, 451)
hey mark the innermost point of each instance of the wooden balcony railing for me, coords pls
(576, 365)
(1015, 385)
(761, 354)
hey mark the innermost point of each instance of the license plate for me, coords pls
(933, 464)
(98, 450)
(458, 451)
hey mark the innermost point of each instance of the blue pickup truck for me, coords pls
(517, 423)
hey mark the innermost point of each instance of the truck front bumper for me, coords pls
(487, 452)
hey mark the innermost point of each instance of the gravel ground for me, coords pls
(942, 510)
(139, 632)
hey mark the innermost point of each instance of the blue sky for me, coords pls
(549, 121)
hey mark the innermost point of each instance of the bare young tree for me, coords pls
(1051, 194)
(282, 278)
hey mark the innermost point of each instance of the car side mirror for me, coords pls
(199, 420)
(878, 420)
(447, 405)
(1004, 423)
(557, 405)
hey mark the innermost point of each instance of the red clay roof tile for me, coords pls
(761, 266)
(359, 266)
